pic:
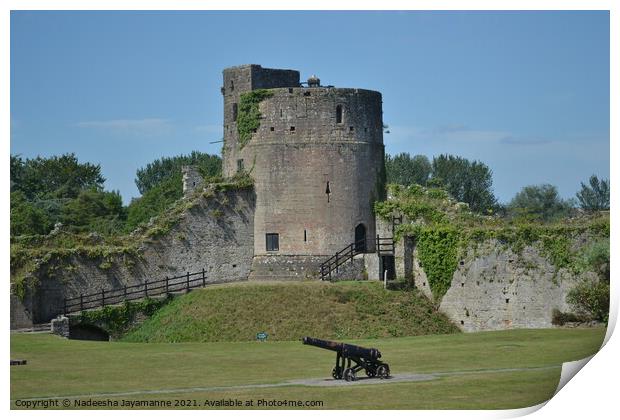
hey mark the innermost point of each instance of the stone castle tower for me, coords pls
(317, 163)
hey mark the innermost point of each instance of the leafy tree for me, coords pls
(154, 202)
(52, 207)
(466, 181)
(156, 172)
(17, 171)
(94, 210)
(26, 218)
(595, 196)
(541, 202)
(406, 170)
(54, 177)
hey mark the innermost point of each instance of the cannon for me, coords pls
(346, 354)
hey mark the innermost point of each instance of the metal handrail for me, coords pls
(346, 254)
(383, 245)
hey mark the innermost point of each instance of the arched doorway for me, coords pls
(360, 238)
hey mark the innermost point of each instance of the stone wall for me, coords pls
(192, 180)
(238, 80)
(494, 288)
(215, 234)
(315, 179)
(302, 267)
(403, 254)
(21, 313)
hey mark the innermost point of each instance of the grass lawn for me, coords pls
(470, 363)
(289, 310)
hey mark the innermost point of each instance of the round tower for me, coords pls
(316, 155)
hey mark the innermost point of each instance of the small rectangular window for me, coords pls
(305, 236)
(273, 241)
(292, 128)
(239, 165)
(271, 128)
(234, 112)
(338, 114)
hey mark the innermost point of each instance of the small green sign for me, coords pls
(262, 336)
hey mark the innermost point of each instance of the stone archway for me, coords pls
(88, 332)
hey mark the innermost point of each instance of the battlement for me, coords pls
(249, 77)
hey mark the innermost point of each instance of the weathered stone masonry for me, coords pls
(215, 233)
(493, 288)
(316, 160)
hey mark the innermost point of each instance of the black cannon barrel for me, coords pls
(346, 350)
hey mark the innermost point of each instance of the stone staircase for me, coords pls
(36, 328)
(336, 266)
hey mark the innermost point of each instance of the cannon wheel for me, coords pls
(371, 372)
(349, 375)
(383, 371)
(337, 372)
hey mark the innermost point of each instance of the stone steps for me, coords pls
(37, 328)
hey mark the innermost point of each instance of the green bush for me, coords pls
(596, 258)
(591, 298)
(560, 318)
(119, 319)
(154, 202)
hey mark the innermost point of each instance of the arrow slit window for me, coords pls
(338, 114)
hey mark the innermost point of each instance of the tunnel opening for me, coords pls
(88, 332)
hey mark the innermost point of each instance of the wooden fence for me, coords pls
(178, 284)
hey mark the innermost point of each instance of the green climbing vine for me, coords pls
(248, 115)
(438, 250)
(119, 319)
(446, 231)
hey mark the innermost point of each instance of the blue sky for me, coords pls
(527, 93)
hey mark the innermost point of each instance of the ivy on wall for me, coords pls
(438, 252)
(28, 263)
(444, 231)
(248, 115)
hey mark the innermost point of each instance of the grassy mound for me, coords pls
(292, 310)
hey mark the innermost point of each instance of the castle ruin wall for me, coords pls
(215, 234)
